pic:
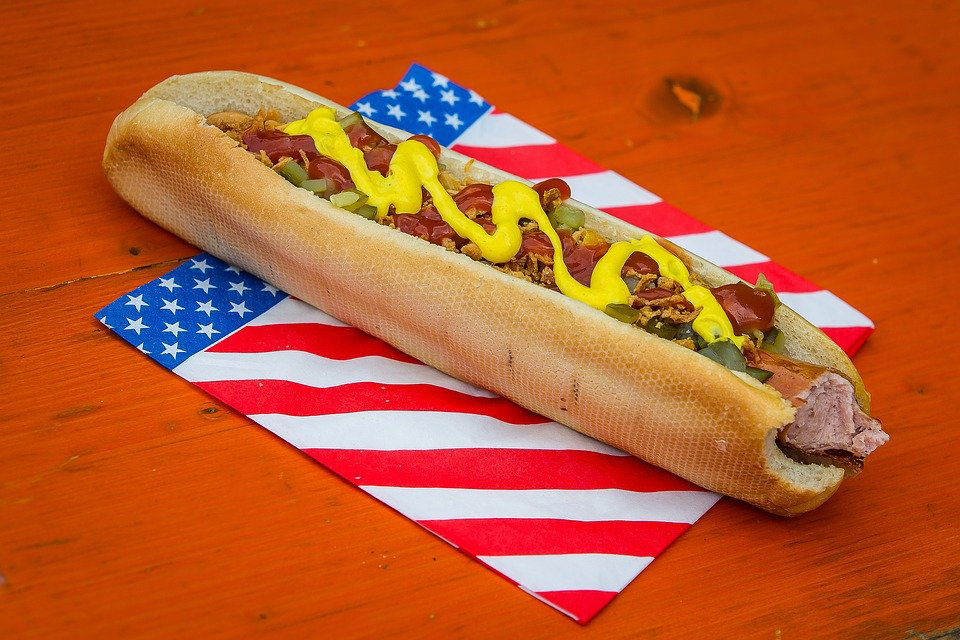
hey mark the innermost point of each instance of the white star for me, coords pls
(173, 328)
(135, 325)
(169, 284)
(395, 111)
(239, 287)
(453, 120)
(204, 284)
(421, 95)
(142, 349)
(272, 290)
(426, 116)
(104, 321)
(207, 307)
(233, 269)
(171, 305)
(365, 108)
(410, 85)
(136, 301)
(239, 309)
(448, 97)
(200, 264)
(207, 330)
(475, 97)
(439, 80)
(389, 93)
(171, 350)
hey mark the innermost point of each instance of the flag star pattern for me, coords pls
(199, 319)
(171, 350)
(428, 103)
(452, 120)
(135, 324)
(394, 111)
(207, 329)
(568, 519)
(449, 96)
(173, 328)
(170, 305)
(168, 284)
(410, 84)
(205, 285)
(136, 301)
(200, 265)
(206, 307)
(239, 309)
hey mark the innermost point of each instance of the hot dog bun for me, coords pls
(549, 353)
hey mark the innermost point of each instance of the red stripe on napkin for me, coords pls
(499, 469)
(252, 397)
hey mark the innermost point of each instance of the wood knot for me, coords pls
(209, 411)
(688, 97)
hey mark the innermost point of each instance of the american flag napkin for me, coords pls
(567, 519)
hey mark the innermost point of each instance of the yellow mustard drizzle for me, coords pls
(414, 165)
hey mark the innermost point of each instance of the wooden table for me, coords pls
(133, 506)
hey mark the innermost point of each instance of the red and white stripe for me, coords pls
(565, 517)
(503, 141)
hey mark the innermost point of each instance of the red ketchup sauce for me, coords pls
(276, 144)
(337, 175)
(746, 307)
(478, 197)
(378, 158)
(377, 152)
(642, 264)
(363, 137)
(428, 142)
(580, 259)
(643, 296)
(551, 183)
(428, 224)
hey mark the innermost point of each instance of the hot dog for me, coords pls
(510, 286)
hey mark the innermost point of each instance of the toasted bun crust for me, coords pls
(547, 352)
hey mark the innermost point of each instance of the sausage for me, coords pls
(829, 426)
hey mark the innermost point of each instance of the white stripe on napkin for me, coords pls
(608, 189)
(570, 571)
(316, 371)
(586, 505)
(293, 311)
(422, 431)
(824, 309)
(499, 130)
(718, 248)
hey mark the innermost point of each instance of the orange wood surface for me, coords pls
(132, 505)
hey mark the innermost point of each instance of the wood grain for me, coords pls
(131, 505)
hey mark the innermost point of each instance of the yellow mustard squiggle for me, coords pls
(414, 166)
